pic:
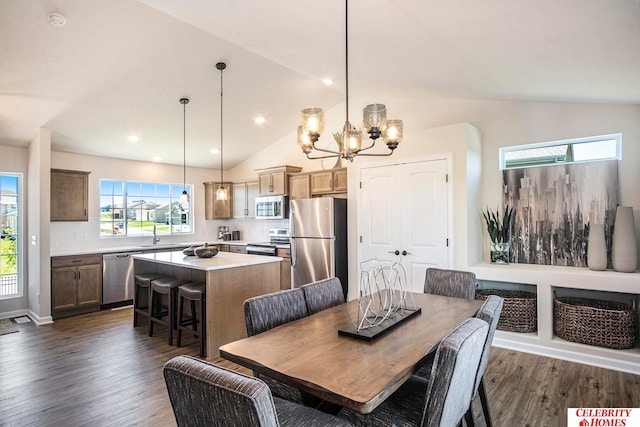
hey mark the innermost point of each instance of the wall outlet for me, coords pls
(80, 236)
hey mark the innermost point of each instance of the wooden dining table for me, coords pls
(310, 355)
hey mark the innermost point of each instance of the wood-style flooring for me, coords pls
(97, 370)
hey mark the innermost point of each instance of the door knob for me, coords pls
(406, 253)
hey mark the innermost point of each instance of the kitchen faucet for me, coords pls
(155, 234)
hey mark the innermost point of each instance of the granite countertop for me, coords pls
(159, 246)
(221, 261)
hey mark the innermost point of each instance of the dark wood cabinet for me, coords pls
(69, 195)
(217, 209)
(76, 284)
(285, 267)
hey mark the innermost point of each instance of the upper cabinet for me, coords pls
(275, 181)
(244, 199)
(329, 181)
(217, 209)
(299, 186)
(69, 195)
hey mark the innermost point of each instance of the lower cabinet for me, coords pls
(238, 249)
(224, 248)
(285, 267)
(76, 284)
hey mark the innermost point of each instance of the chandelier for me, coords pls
(349, 140)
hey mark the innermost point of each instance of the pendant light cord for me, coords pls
(221, 163)
(346, 64)
(184, 147)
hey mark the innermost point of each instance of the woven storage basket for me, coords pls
(519, 311)
(595, 322)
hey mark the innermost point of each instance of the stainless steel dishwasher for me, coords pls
(117, 279)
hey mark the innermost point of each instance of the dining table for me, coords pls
(310, 354)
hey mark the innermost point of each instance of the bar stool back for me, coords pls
(158, 312)
(142, 295)
(194, 292)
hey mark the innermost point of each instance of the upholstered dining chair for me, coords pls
(203, 394)
(490, 313)
(323, 294)
(267, 311)
(442, 400)
(450, 283)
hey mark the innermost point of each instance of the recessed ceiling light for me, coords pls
(259, 120)
(57, 20)
(134, 138)
(215, 151)
(328, 82)
(157, 158)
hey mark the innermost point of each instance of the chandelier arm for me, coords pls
(369, 147)
(332, 156)
(376, 154)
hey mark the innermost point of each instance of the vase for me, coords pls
(338, 164)
(597, 248)
(499, 253)
(624, 249)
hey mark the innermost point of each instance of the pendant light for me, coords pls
(184, 197)
(221, 194)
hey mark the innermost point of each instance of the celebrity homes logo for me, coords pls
(603, 417)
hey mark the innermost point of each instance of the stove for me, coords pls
(278, 237)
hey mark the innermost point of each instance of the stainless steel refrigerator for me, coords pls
(318, 229)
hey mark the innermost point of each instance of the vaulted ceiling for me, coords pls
(119, 67)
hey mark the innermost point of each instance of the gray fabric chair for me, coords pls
(490, 313)
(323, 294)
(203, 395)
(450, 283)
(444, 399)
(265, 312)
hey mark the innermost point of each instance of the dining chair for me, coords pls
(323, 294)
(450, 283)
(442, 400)
(203, 394)
(265, 312)
(490, 313)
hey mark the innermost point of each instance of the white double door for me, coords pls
(404, 216)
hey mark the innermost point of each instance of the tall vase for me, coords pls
(597, 249)
(624, 249)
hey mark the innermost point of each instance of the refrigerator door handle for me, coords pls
(292, 231)
(293, 252)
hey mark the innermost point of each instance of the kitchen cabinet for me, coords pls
(275, 181)
(299, 186)
(217, 209)
(237, 249)
(76, 284)
(329, 181)
(224, 248)
(244, 199)
(285, 267)
(69, 195)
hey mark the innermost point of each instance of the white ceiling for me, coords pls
(119, 67)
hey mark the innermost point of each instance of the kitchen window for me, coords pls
(589, 149)
(134, 208)
(10, 247)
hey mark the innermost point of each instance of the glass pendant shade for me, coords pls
(313, 120)
(374, 116)
(354, 140)
(184, 197)
(221, 193)
(392, 135)
(304, 142)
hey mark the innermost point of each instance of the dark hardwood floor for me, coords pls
(97, 370)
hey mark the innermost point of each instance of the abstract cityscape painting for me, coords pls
(554, 207)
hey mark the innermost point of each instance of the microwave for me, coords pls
(272, 207)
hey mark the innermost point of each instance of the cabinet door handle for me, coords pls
(78, 275)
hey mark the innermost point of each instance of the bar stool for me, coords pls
(142, 288)
(194, 292)
(164, 286)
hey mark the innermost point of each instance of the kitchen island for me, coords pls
(230, 278)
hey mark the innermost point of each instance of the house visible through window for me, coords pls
(604, 147)
(132, 208)
(10, 248)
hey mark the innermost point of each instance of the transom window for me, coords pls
(604, 147)
(10, 252)
(134, 208)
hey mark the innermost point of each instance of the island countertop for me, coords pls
(221, 261)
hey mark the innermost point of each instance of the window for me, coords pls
(10, 248)
(604, 147)
(132, 208)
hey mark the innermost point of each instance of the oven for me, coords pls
(278, 238)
